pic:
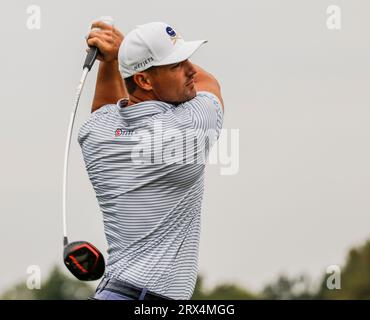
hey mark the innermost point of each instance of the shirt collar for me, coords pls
(142, 109)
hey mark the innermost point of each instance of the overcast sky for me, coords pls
(297, 91)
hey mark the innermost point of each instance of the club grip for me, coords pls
(90, 58)
(94, 51)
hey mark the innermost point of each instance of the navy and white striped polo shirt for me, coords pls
(144, 167)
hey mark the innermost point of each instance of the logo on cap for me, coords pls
(172, 34)
(143, 64)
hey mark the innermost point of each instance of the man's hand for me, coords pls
(109, 86)
(108, 40)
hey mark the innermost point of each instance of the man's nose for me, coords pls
(190, 70)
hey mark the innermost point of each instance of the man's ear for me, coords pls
(143, 81)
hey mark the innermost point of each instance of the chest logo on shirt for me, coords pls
(122, 132)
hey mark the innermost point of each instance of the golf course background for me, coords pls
(354, 284)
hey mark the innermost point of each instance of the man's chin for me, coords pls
(192, 95)
(188, 98)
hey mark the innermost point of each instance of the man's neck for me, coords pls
(140, 97)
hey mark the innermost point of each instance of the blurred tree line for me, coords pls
(354, 284)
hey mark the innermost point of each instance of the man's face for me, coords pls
(174, 83)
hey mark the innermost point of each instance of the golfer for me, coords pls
(155, 116)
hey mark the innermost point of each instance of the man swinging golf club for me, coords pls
(146, 169)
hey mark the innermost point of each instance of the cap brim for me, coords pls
(182, 53)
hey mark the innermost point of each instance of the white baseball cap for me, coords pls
(153, 44)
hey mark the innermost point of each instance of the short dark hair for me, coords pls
(131, 84)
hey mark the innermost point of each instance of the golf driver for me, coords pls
(81, 258)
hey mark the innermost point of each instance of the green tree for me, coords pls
(56, 287)
(221, 292)
(230, 291)
(199, 293)
(355, 277)
(285, 288)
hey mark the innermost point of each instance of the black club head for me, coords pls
(84, 260)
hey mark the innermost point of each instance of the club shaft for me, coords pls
(67, 149)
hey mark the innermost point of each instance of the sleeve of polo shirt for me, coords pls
(204, 114)
(205, 111)
(93, 120)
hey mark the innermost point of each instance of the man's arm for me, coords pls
(204, 81)
(110, 86)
